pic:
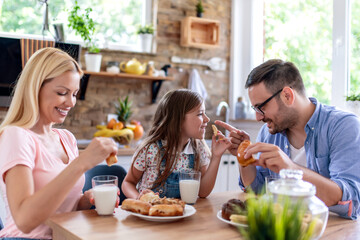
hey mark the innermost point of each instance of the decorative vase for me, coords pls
(353, 106)
(146, 42)
(93, 62)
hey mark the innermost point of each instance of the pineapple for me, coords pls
(123, 110)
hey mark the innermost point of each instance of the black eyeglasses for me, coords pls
(258, 107)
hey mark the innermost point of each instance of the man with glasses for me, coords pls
(302, 134)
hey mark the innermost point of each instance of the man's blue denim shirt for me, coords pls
(332, 148)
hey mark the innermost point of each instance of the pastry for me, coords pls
(112, 159)
(136, 206)
(241, 153)
(233, 206)
(166, 210)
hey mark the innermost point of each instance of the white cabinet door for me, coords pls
(222, 176)
(233, 176)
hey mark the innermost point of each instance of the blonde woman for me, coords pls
(40, 168)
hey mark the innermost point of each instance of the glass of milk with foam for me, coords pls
(189, 186)
(105, 188)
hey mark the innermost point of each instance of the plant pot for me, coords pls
(93, 62)
(199, 14)
(353, 106)
(146, 42)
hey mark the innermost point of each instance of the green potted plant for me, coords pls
(83, 25)
(199, 9)
(353, 103)
(146, 36)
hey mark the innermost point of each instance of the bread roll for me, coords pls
(136, 206)
(149, 197)
(166, 210)
(112, 159)
(240, 154)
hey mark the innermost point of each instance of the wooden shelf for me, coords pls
(200, 32)
(155, 81)
(127, 75)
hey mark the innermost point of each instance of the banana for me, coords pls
(123, 136)
(100, 127)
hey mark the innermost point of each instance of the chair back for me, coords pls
(1, 224)
(115, 170)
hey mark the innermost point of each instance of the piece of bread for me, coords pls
(237, 218)
(112, 159)
(136, 206)
(240, 154)
(166, 210)
(149, 197)
(169, 201)
(215, 130)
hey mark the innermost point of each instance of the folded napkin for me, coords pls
(195, 84)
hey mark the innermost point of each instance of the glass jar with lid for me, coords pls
(291, 184)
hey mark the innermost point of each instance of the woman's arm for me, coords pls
(29, 209)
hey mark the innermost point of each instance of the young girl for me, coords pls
(174, 144)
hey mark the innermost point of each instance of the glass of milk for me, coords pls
(189, 186)
(105, 189)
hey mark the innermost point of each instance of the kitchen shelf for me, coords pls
(155, 81)
(200, 32)
(127, 75)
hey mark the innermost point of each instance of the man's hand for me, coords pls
(271, 157)
(236, 136)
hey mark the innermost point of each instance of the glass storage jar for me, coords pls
(113, 67)
(291, 184)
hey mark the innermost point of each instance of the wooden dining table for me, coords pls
(204, 224)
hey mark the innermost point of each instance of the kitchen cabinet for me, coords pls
(155, 81)
(228, 174)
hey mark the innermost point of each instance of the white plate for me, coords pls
(188, 211)
(230, 222)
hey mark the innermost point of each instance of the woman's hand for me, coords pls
(97, 151)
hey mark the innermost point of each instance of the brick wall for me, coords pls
(102, 92)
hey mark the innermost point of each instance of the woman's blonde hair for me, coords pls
(44, 65)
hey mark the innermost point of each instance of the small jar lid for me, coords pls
(112, 63)
(291, 184)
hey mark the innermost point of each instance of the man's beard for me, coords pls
(285, 119)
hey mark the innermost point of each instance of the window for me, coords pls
(117, 19)
(300, 31)
(355, 48)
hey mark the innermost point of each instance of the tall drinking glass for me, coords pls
(105, 189)
(189, 186)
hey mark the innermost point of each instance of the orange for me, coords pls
(135, 122)
(118, 126)
(138, 132)
(111, 123)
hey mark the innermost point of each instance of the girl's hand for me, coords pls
(97, 151)
(145, 191)
(218, 147)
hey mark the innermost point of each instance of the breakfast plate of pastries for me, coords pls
(151, 207)
(229, 213)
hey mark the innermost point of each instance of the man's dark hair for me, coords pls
(276, 74)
